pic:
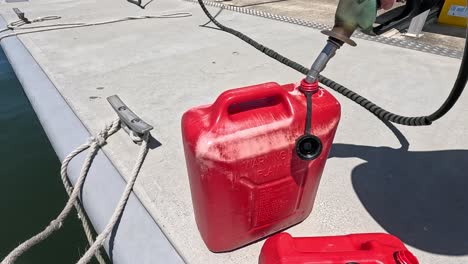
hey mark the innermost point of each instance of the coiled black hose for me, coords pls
(378, 111)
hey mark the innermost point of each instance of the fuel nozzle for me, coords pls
(309, 146)
(350, 15)
(321, 61)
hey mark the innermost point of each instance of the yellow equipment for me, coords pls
(454, 13)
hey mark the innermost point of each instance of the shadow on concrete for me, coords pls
(419, 196)
(153, 143)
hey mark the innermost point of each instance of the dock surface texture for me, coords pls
(323, 11)
(409, 181)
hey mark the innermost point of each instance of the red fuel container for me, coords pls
(245, 177)
(374, 248)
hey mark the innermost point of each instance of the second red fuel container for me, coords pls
(245, 177)
(371, 248)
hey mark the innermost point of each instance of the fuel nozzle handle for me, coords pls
(355, 14)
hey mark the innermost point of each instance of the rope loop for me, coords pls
(101, 137)
(98, 139)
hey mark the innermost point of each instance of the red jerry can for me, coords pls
(376, 248)
(245, 177)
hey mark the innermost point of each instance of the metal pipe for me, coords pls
(321, 62)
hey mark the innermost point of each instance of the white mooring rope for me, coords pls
(17, 25)
(93, 145)
(121, 205)
(78, 206)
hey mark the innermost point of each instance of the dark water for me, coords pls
(31, 192)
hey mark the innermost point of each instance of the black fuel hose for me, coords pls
(381, 113)
(458, 87)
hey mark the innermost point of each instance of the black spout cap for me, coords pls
(308, 147)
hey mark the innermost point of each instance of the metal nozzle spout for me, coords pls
(321, 62)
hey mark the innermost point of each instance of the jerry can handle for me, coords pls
(246, 94)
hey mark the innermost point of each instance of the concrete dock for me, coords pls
(323, 11)
(407, 181)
